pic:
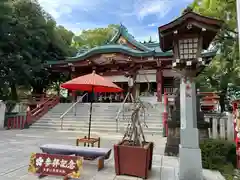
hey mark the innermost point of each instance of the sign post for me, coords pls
(55, 165)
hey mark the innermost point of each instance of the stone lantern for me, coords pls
(187, 37)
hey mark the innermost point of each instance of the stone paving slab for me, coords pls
(17, 145)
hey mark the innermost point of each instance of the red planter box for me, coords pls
(133, 160)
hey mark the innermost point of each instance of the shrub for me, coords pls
(65, 99)
(219, 155)
(217, 152)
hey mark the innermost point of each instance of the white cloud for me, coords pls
(144, 14)
(152, 25)
(159, 8)
(154, 37)
(58, 8)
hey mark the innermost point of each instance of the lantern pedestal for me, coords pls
(191, 169)
(187, 37)
(173, 138)
(189, 148)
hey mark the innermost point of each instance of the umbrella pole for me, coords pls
(90, 117)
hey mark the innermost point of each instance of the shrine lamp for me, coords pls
(187, 37)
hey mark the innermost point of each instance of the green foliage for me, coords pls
(95, 37)
(219, 155)
(29, 37)
(224, 69)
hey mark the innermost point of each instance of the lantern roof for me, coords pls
(210, 27)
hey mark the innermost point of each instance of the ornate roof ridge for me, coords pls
(123, 31)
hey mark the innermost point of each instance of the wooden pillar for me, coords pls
(159, 80)
(73, 93)
(134, 88)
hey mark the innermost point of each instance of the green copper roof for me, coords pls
(146, 49)
(121, 49)
(125, 34)
(116, 48)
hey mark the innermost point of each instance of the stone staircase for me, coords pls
(103, 118)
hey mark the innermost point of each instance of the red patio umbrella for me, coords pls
(91, 83)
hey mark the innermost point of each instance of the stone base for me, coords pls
(171, 150)
(190, 169)
(172, 146)
(173, 139)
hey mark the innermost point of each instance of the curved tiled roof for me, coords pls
(145, 49)
(116, 48)
(124, 32)
(121, 49)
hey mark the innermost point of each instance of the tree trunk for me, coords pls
(222, 100)
(14, 95)
(38, 90)
(58, 88)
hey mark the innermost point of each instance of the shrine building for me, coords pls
(124, 54)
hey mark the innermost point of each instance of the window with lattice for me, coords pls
(188, 48)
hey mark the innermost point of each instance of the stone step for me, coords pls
(99, 109)
(103, 118)
(95, 124)
(93, 129)
(100, 114)
(103, 121)
(112, 125)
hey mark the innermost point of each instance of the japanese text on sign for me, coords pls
(56, 165)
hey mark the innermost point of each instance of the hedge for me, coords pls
(219, 155)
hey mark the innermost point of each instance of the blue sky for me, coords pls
(141, 17)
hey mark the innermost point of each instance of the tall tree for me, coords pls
(29, 37)
(7, 46)
(95, 37)
(224, 69)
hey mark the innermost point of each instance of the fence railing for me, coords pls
(21, 120)
(222, 126)
(15, 121)
(170, 90)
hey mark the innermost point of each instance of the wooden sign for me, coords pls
(55, 165)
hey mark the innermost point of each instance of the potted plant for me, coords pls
(133, 155)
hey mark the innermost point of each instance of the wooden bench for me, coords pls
(89, 152)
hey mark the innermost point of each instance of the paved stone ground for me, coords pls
(16, 147)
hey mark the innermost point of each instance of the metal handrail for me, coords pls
(120, 110)
(70, 108)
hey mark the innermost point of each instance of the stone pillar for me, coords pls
(189, 147)
(137, 90)
(159, 80)
(2, 114)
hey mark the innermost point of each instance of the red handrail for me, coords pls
(235, 116)
(20, 120)
(165, 114)
(16, 121)
(41, 109)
